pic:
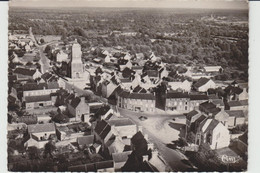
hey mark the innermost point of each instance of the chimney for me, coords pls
(150, 146)
(210, 114)
(76, 94)
(210, 100)
(145, 158)
(140, 128)
(82, 98)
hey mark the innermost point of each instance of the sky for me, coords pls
(208, 4)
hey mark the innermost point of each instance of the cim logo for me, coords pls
(229, 159)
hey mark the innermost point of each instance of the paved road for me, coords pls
(45, 62)
(172, 157)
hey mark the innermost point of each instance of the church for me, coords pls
(77, 67)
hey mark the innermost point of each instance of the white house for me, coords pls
(61, 56)
(203, 84)
(183, 85)
(40, 134)
(214, 133)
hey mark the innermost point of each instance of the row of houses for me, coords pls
(120, 138)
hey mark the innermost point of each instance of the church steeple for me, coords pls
(76, 63)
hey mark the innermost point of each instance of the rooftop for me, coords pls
(41, 98)
(39, 128)
(121, 122)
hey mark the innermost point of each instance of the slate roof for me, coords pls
(177, 95)
(53, 85)
(121, 122)
(233, 90)
(244, 102)
(75, 102)
(83, 168)
(40, 86)
(30, 99)
(234, 103)
(39, 128)
(211, 126)
(125, 80)
(138, 141)
(12, 78)
(198, 97)
(121, 157)
(191, 114)
(104, 164)
(235, 113)
(46, 76)
(244, 138)
(24, 71)
(218, 102)
(137, 67)
(207, 105)
(152, 73)
(34, 86)
(143, 96)
(201, 82)
(102, 129)
(85, 140)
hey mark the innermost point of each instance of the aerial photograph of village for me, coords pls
(109, 89)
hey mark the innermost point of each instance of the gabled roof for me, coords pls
(85, 140)
(53, 85)
(102, 129)
(152, 73)
(104, 164)
(39, 128)
(235, 113)
(138, 140)
(234, 103)
(31, 99)
(244, 138)
(46, 76)
(201, 82)
(244, 102)
(209, 125)
(121, 122)
(199, 97)
(125, 80)
(191, 114)
(121, 157)
(218, 102)
(137, 67)
(233, 90)
(12, 78)
(207, 105)
(143, 96)
(24, 71)
(75, 102)
(177, 95)
(34, 86)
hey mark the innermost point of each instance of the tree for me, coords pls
(42, 40)
(33, 153)
(47, 49)
(49, 148)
